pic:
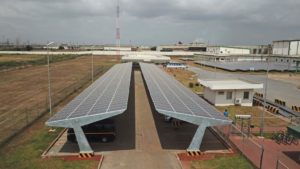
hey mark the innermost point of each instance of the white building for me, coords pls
(229, 92)
(228, 50)
(286, 47)
(107, 48)
(146, 58)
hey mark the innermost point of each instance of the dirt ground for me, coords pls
(271, 120)
(185, 77)
(24, 92)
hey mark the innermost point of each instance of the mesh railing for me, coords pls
(253, 149)
(13, 122)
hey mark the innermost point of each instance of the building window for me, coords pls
(246, 95)
(220, 93)
(229, 95)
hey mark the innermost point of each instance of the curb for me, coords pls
(44, 155)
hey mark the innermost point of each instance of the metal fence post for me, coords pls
(261, 157)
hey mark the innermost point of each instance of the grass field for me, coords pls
(25, 150)
(24, 92)
(234, 162)
(8, 62)
(18, 58)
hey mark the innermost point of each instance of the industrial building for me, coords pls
(146, 58)
(261, 49)
(286, 48)
(113, 48)
(229, 50)
(229, 92)
(201, 47)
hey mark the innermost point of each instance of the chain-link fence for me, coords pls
(261, 152)
(13, 122)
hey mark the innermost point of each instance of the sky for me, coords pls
(150, 22)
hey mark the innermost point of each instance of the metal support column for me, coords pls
(197, 139)
(82, 141)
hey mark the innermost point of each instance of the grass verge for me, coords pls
(237, 161)
(26, 152)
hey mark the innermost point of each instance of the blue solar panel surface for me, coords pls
(107, 94)
(170, 95)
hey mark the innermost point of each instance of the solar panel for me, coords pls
(107, 94)
(249, 65)
(170, 95)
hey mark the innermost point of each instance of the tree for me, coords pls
(29, 47)
(61, 48)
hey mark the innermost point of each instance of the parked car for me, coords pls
(101, 131)
(168, 119)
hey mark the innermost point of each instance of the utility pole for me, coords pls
(49, 81)
(92, 67)
(262, 120)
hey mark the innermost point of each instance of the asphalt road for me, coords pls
(275, 90)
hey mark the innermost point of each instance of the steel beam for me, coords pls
(77, 123)
(197, 139)
(201, 122)
(82, 141)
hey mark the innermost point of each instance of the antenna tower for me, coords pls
(118, 36)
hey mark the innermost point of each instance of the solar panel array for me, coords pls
(109, 93)
(249, 65)
(170, 95)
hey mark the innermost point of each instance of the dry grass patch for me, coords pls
(19, 58)
(186, 78)
(270, 119)
(24, 92)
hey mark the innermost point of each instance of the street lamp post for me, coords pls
(262, 120)
(92, 67)
(49, 81)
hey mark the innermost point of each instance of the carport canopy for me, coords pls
(172, 99)
(105, 98)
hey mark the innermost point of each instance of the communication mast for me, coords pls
(118, 36)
